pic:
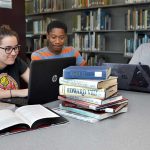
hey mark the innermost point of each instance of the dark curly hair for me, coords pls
(56, 24)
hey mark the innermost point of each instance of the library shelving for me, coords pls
(102, 30)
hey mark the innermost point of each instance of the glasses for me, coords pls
(9, 49)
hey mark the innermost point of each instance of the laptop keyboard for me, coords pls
(18, 101)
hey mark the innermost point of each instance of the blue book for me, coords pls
(87, 72)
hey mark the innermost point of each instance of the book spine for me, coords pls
(87, 92)
(96, 100)
(74, 115)
(80, 111)
(78, 82)
(117, 108)
(86, 99)
(81, 104)
(78, 103)
(111, 91)
(82, 74)
(86, 118)
(81, 91)
(112, 99)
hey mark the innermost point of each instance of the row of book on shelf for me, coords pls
(137, 18)
(91, 60)
(92, 42)
(89, 41)
(95, 20)
(131, 44)
(89, 3)
(92, 20)
(86, 21)
(39, 6)
(89, 93)
(135, 1)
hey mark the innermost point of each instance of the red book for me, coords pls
(86, 105)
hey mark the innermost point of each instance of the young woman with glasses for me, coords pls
(12, 68)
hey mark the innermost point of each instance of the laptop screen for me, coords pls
(44, 79)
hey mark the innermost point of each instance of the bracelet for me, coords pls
(10, 94)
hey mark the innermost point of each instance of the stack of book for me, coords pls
(89, 93)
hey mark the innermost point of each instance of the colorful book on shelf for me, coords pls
(28, 117)
(94, 116)
(82, 104)
(97, 101)
(87, 92)
(87, 72)
(97, 84)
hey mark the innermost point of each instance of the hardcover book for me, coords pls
(111, 109)
(75, 115)
(87, 72)
(94, 116)
(28, 117)
(97, 84)
(82, 104)
(114, 98)
(87, 92)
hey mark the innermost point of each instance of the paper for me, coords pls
(6, 4)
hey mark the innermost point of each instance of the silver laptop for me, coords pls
(44, 81)
(131, 76)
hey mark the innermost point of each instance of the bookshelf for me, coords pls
(103, 30)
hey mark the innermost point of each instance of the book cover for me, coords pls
(74, 115)
(28, 117)
(86, 105)
(111, 108)
(94, 114)
(97, 84)
(114, 98)
(87, 72)
(87, 92)
(100, 116)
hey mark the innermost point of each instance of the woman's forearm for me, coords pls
(13, 93)
(5, 94)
